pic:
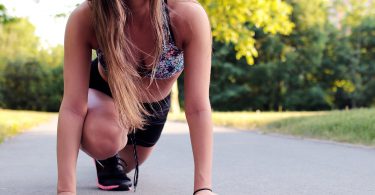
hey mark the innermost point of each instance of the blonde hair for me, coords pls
(110, 18)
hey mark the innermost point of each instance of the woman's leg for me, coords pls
(127, 155)
(102, 137)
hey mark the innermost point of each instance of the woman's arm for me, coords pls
(197, 50)
(73, 108)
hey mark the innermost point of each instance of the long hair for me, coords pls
(110, 18)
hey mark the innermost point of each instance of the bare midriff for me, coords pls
(159, 89)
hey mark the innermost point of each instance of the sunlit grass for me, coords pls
(13, 122)
(354, 126)
(247, 120)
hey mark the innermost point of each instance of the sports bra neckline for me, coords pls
(171, 60)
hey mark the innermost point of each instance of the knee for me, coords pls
(104, 149)
(102, 141)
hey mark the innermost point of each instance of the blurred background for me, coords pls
(273, 60)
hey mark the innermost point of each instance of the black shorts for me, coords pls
(155, 123)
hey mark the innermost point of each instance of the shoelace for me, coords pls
(135, 180)
(126, 165)
(118, 157)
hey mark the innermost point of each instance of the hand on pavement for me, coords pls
(66, 193)
(205, 192)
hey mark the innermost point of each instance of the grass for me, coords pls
(247, 120)
(13, 122)
(354, 126)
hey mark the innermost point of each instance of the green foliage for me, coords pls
(354, 11)
(22, 85)
(232, 21)
(30, 77)
(17, 40)
(229, 80)
(4, 17)
(29, 85)
(363, 62)
(51, 57)
(316, 67)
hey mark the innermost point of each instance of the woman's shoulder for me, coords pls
(81, 21)
(81, 15)
(186, 8)
(187, 16)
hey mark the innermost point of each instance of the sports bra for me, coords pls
(171, 59)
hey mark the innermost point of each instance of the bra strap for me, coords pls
(170, 32)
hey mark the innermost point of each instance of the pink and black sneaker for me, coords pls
(111, 174)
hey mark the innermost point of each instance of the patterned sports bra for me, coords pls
(171, 60)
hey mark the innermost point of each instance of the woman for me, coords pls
(115, 109)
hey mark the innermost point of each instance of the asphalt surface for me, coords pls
(245, 163)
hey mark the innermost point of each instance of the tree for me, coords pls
(355, 17)
(51, 57)
(27, 84)
(233, 22)
(310, 69)
(17, 38)
(3, 15)
(351, 12)
(30, 77)
(363, 63)
(288, 67)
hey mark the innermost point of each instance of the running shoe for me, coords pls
(111, 174)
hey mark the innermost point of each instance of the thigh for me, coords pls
(101, 130)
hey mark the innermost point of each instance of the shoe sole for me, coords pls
(114, 187)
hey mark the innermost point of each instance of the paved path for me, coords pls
(245, 163)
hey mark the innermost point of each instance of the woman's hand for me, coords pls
(66, 193)
(205, 192)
